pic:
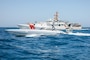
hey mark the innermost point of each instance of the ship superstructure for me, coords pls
(58, 24)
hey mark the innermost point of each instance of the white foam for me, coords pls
(79, 34)
(85, 29)
(32, 35)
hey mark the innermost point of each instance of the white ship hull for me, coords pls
(23, 32)
(46, 25)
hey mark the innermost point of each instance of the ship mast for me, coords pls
(56, 16)
(55, 20)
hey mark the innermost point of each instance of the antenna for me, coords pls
(55, 19)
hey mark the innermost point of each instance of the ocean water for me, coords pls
(54, 47)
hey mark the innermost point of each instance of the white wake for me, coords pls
(32, 35)
(79, 34)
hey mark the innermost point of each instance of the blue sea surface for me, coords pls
(54, 47)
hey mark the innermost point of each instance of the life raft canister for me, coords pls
(31, 26)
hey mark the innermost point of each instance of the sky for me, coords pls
(14, 12)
